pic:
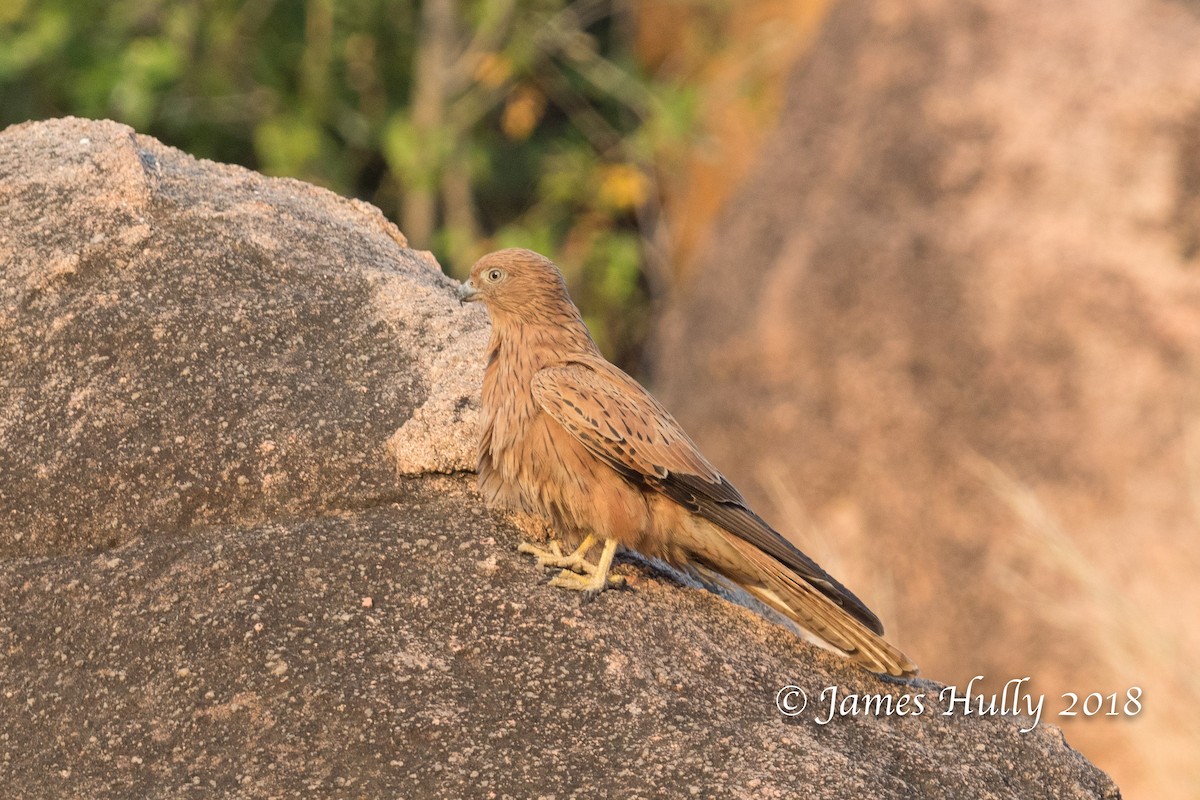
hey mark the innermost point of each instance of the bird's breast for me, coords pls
(529, 463)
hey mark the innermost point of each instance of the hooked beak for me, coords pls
(467, 292)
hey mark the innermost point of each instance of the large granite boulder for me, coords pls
(241, 555)
(949, 337)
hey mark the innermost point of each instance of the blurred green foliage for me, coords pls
(475, 124)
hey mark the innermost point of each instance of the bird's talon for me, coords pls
(545, 558)
(591, 578)
(590, 585)
(553, 557)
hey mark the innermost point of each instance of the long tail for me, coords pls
(790, 594)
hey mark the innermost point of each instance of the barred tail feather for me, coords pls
(795, 598)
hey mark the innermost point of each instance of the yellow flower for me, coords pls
(522, 111)
(623, 186)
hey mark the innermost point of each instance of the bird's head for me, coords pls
(517, 283)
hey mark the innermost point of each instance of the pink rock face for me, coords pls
(948, 334)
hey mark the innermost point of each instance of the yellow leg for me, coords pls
(576, 560)
(597, 578)
(577, 572)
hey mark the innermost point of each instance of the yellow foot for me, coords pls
(590, 585)
(577, 572)
(554, 557)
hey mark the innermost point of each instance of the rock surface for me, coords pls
(959, 355)
(189, 345)
(327, 627)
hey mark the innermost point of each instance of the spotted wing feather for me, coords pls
(625, 427)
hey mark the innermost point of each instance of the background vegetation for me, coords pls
(474, 124)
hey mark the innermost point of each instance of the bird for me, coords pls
(569, 438)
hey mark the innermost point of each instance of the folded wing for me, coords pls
(625, 427)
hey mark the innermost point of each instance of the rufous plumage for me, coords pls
(571, 439)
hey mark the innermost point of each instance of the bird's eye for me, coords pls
(494, 275)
